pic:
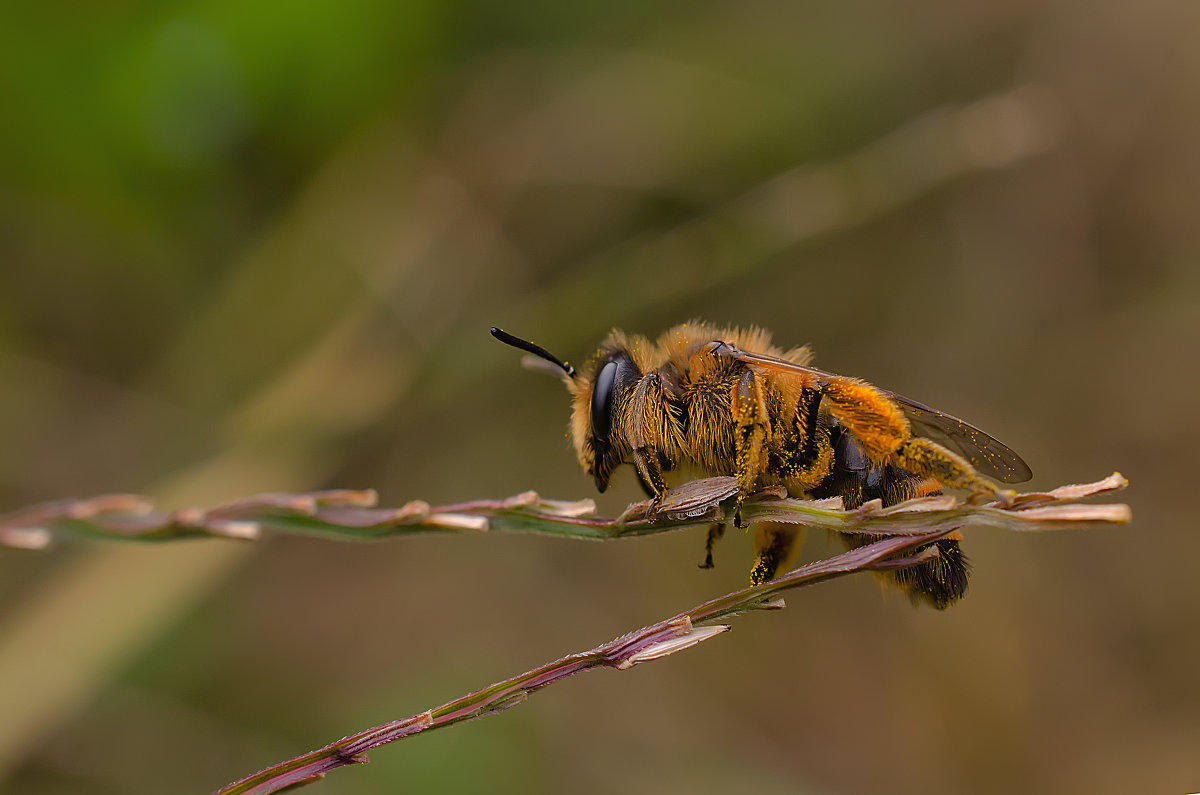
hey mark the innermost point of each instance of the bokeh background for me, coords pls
(257, 246)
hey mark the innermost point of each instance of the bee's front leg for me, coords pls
(650, 476)
(715, 532)
(644, 429)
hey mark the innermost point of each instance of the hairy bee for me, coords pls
(727, 402)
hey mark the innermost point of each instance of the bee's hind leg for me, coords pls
(927, 457)
(939, 582)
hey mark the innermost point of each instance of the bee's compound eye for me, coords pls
(602, 396)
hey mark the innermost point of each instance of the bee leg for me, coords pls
(926, 457)
(715, 531)
(803, 453)
(940, 581)
(644, 431)
(751, 423)
(776, 546)
(650, 476)
(879, 426)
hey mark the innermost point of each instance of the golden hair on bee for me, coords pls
(726, 401)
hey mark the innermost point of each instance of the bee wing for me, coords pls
(987, 454)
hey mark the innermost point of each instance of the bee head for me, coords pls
(597, 394)
(599, 397)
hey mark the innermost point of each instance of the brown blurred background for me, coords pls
(253, 247)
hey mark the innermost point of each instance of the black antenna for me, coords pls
(536, 350)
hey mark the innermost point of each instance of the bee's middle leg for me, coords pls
(751, 424)
(775, 547)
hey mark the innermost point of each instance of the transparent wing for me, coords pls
(986, 454)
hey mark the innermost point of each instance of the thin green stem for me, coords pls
(700, 503)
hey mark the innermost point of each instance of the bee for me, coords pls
(725, 401)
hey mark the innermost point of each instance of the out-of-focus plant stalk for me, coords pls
(648, 643)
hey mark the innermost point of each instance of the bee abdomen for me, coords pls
(941, 581)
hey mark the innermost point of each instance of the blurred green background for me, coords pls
(257, 246)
